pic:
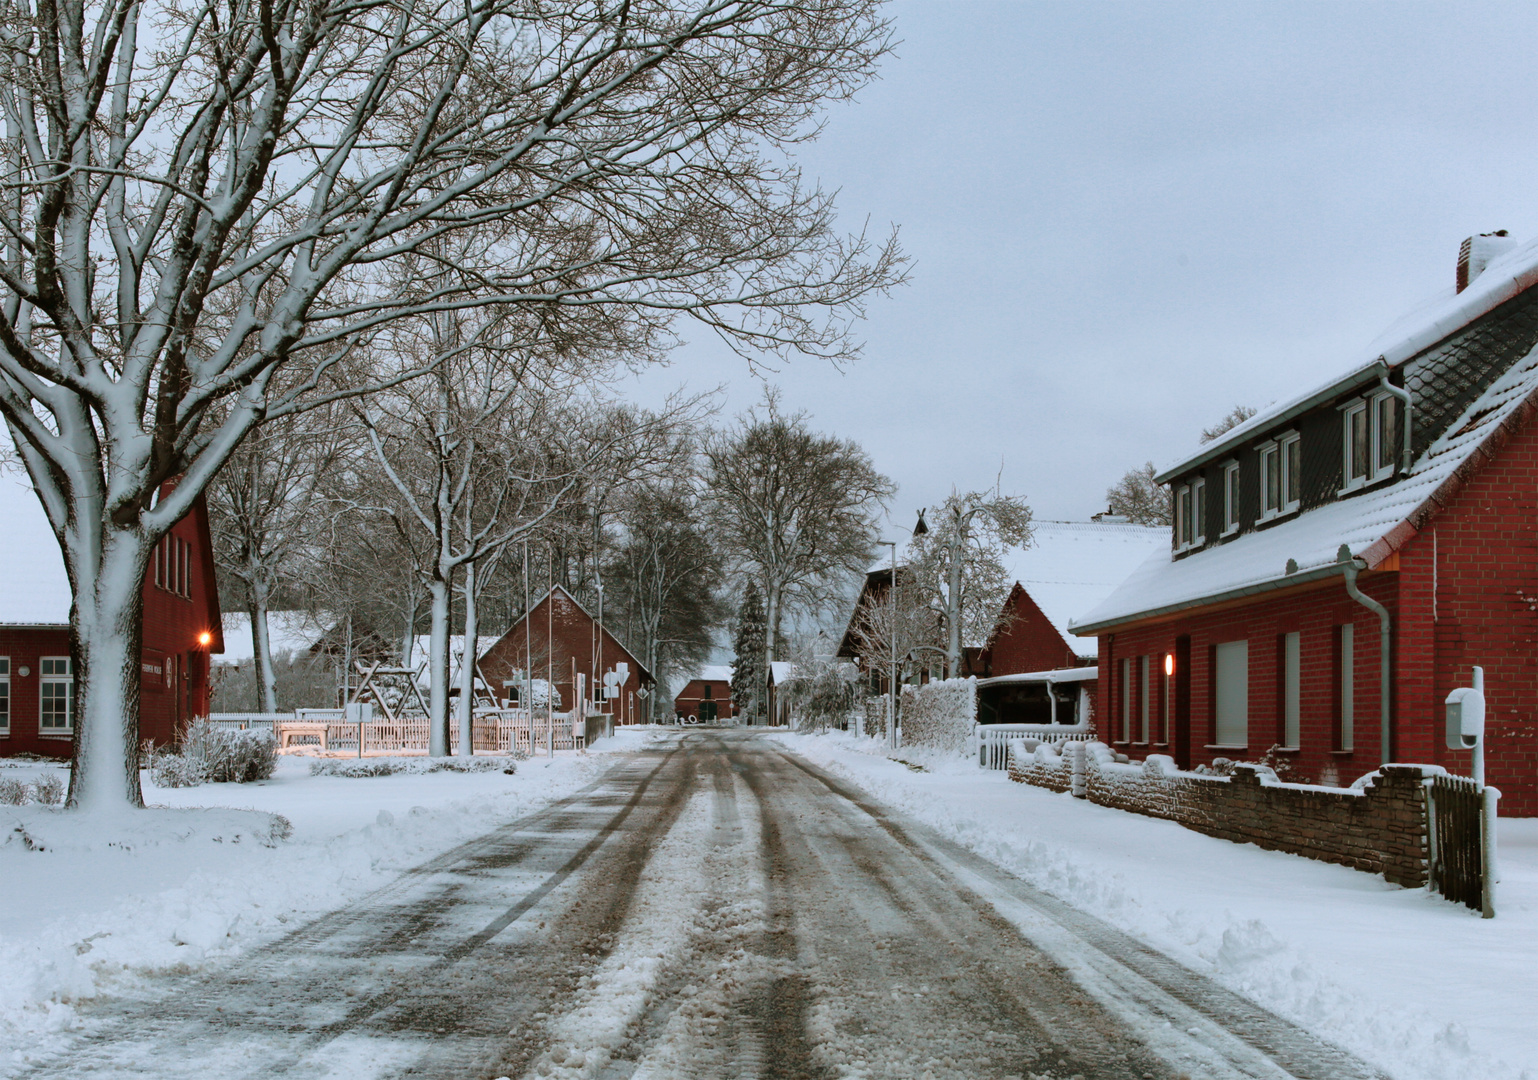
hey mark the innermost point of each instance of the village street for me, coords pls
(712, 906)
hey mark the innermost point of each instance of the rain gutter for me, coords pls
(1319, 573)
(1385, 686)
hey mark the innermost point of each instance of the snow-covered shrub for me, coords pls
(875, 710)
(48, 789)
(939, 715)
(206, 754)
(14, 792)
(363, 767)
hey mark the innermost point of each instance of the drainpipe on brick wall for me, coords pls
(1352, 568)
(1404, 396)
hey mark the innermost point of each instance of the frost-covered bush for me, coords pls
(206, 754)
(939, 715)
(47, 789)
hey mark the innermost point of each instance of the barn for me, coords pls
(182, 627)
(707, 695)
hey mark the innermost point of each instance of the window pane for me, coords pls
(1357, 420)
(1294, 452)
(1347, 662)
(1144, 698)
(1386, 440)
(1183, 516)
(5, 704)
(1292, 687)
(1126, 700)
(1271, 463)
(1231, 516)
(56, 702)
(1199, 503)
(1232, 721)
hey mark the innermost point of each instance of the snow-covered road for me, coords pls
(712, 907)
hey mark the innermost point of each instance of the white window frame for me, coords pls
(1145, 698)
(1292, 690)
(5, 697)
(1198, 512)
(1126, 699)
(1370, 409)
(1347, 661)
(1281, 448)
(55, 677)
(1182, 517)
(1231, 697)
(1231, 493)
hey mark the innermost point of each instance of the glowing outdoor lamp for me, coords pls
(205, 639)
(1169, 664)
(1169, 670)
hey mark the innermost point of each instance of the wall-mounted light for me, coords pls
(24, 671)
(205, 639)
(1169, 664)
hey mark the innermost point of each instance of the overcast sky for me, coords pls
(1126, 218)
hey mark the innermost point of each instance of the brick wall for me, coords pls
(1029, 642)
(1380, 828)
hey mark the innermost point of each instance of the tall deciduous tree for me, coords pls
(795, 510)
(202, 195)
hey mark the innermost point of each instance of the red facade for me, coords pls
(181, 629)
(579, 646)
(705, 696)
(1461, 590)
(1028, 641)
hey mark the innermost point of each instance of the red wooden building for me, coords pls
(581, 647)
(707, 696)
(182, 627)
(1387, 519)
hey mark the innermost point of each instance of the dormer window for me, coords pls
(1281, 475)
(1369, 428)
(1230, 498)
(1190, 515)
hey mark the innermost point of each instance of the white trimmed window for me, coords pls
(56, 696)
(1144, 699)
(1126, 700)
(1182, 517)
(1370, 434)
(1281, 476)
(1345, 660)
(1230, 498)
(5, 696)
(1231, 695)
(1292, 689)
(1198, 512)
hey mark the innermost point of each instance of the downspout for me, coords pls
(1404, 396)
(1385, 687)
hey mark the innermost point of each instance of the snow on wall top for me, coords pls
(1073, 565)
(34, 590)
(287, 632)
(1258, 559)
(1417, 330)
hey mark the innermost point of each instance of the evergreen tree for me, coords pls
(750, 681)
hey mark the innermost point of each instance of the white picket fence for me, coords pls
(494, 731)
(993, 739)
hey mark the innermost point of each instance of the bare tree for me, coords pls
(202, 195)
(1139, 498)
(795, 509)
(958, 564)
(1236, 416)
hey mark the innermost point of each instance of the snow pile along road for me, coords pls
(98, 906)
(1421, 987)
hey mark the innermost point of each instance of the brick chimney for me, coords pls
(1477, 252)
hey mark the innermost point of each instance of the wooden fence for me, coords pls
(1460, 845)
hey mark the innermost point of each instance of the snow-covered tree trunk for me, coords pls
(953, 598)
(467, 663)
(438, 670)
(261, 649)
(106, 628)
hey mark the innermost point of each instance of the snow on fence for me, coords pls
(939, 715)
(1380, 827)
(247, 721)
(493, 731)
(994, 740)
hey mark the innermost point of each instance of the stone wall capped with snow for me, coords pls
(939, 715)
(1380, 828)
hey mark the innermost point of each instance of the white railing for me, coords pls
(493, 731)
(244, 721)
(993, 739)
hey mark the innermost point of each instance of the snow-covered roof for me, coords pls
(1071, 566)
(1372, 524)
(781, 670)
(287, 632)
(711, 673)
(1412, 333)
(34, 590)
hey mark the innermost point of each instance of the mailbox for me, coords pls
(1465, 718)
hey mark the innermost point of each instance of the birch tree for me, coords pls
(795, 509)
(208, 207)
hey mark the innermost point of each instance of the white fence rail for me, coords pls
(494, 731)
(993, 739)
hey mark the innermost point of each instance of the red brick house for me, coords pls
(182, 627)
(579, 640)
(1385, 520)
(707, 696)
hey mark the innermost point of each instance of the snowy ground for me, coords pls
(1420, 987)
(94, 907)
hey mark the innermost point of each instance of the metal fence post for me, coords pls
(1487, 820)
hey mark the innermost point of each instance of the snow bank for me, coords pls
(1423, 988)
(97, 907)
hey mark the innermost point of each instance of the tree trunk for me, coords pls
(261, 649)
(106, 628)
(467, 668)
(953, 610)
(771, 633)
(438, 671)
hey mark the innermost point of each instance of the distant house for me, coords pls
(37, 678)
(565, 640)
(781, 672)
(1035, 669)
(1382, 521)
(707, 695)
